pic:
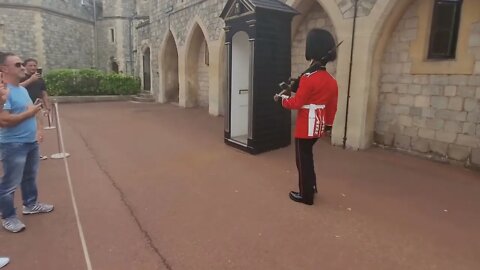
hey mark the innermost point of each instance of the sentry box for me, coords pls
(258, 41)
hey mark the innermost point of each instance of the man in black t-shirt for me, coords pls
(35, 86)
(34, 83)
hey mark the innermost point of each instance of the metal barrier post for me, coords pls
(50, 119)
(61, 154)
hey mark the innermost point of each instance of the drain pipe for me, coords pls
(95, 33)
(130, 41)
(130, 46)
(350, 73)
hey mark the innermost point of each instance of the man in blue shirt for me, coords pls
(19, 152)
(3, 98)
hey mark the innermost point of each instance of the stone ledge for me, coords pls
(85, 99)
(472, 162)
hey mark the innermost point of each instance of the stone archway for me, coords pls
(114, 66)
(169, 70)
(312, 16)
(197, 77)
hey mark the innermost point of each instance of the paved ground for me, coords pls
(157, 189)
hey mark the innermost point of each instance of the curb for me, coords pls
(85, 99)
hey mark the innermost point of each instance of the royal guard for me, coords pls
(316, 101)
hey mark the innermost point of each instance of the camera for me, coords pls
(39, 70)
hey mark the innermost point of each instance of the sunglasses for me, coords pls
(18, 65)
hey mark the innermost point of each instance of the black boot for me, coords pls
(295, 196)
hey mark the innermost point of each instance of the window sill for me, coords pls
(462, 66)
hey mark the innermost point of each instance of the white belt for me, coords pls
(313, 121)
(313, 106)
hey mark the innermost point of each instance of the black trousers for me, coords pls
(307, 180)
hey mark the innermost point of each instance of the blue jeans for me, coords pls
(20, 167)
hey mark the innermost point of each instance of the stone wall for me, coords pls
(117, 15)
(58, 33)
(118, 8)
(67, 43)
(144, 6)
(347, 7)
(430, 114)
(315, 18)
(66, 7)
(107, 48)
(119, 50)
(19, 36)
(179, 17)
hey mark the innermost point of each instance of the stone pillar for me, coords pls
(39, 42)
(216, 76)
(182, 77)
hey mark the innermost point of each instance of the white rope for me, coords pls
(74, 202)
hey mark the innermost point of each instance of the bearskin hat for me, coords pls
(320, 46)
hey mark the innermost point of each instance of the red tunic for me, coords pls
(316, 88)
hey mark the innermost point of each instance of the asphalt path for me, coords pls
(157, 188)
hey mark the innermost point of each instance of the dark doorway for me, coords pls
(146, 70)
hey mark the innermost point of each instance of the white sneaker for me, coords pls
(43, 157)
(37, 208)
(4, 261)
(13, 224)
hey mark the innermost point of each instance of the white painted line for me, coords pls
(74, 201)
